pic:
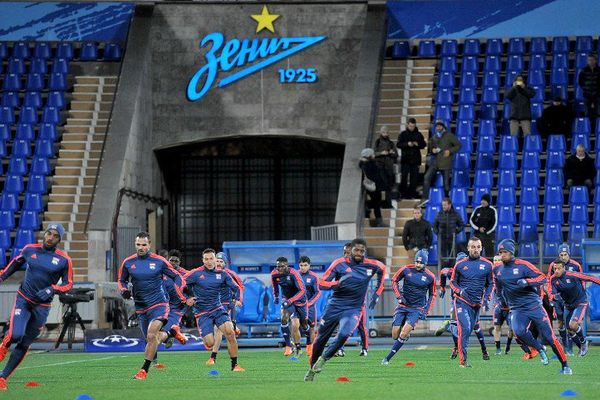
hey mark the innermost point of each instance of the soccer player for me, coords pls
(207, 283)
(415, 300)
(349, 279)
(500, 315)
(294, 307)
(567, 286)
(564, 254)
(176, 305)
(228, 301)
(44, 265)
(311, 283)
(146, 271)
(519, 282)
(471, 284)
(450, 324)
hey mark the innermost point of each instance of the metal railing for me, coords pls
(324, 232)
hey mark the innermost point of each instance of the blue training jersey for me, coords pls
(227, 295)
(518, 297)
(311, 283)
(171, 289)
(472, 277)
(291, 286)
(206, 285)
(43, 269)
(570, 287)
(418, 289)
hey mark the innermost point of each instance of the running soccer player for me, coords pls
(500, 315)
(349, 279)
(415, 300)
(311, 283)
(44, 265)
(228, 301)
(207, 284)
(176, 305)
(567, 286)
(146, 271)
(471, 284)
(294, 307)
(519, 282)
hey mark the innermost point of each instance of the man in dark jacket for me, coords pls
(556, 119)
(520, 106)
(410, 142)
(386, 156)
(441, 149)
(446, 225)
(589, 82)
(372, 172)
(416, 234)
(483, 221)
(580, 169)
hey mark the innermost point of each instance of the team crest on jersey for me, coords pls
(409, 274)
(348, 269)
(459, 309)
(465, 268)
(369, 272)
(289, 278)
(218, 276)
(55, 260)
(17, 311)
(571, 269)
(202, 276)
(568, 280)
(481, 267)
(132, 266)
(515, 271)
(34, 256)
(152, 265)
(423, 278)
(307, 280)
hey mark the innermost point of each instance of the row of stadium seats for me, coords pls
(36, 66)
(34, 82)
(88, 51)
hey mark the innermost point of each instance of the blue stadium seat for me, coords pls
(464, 128)
(578, 214)
(16, 66)
(3, 151)
(487, 127)
(576, 251)
(65, 50)
(479, 191)
(7, 219)
(3, 51)
(4, 132)
(531, 160)
(597, 195)
(492, 63)
(537, 62)
(433, 255)
(29, 220)
(446, 80)
(21, 148)
(466, 111)
(556, 143)
(38, 66)
(60, 65)
(491, 79)
(33, 99)
(471, 47)
(553, 195)
(494, 46)
(37, 184)
(431, 211)
(17, 166)
(449, 48)
(553, 233)
(485, 162)
(530, 196)
(462, 161)
(467, 95)
(505, 231)
(507, 178)
(509, 144)
(34, 82)
(510, 78)
(536, 110)
(584, 44)
(33, 202)
(48, 131)
(581, 125)
(528, 251)
(448, 64)
(24, 237)
(550, 250)
(507, 160)
(21, 50)
(44, 148)
(559, 76)
(51, 115)
(28, 115)
(560, 44)
(57, 81)
(580, 138)
(530, 177)
(5, 242)
(580, 62)
(56, 99)
(540, 92)
(443, 112)
(515, 62)
(426, 49)
(438, 180)
(560, 61)
(578, 195)
(9, 201)
(468, 79)
(537, 45)
(532, 143)
(460, 178)
(10, 99)
(529, 215)
(88, 52)
(577, 232)
(462, 211)
(459, 196)
(488, 111)
(444, 96)
(436, 195)
(486, 144)
(528, 233)
(12, 82)
(561, 91)
(555, 160)
(489, 95)
(536, 77)
(466, 144)
(114, 52)
(42, 50)
(516, 46)
(40, 166)
(506, 215)
(506, 196)
(400, 49)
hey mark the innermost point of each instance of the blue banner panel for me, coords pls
(492, 18)
(102, 22)
(131, 340)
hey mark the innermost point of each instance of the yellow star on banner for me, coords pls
(265, 20)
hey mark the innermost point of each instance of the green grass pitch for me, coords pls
(269, 375)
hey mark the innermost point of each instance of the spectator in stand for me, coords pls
(589, 82)
(416, 234)
(520, 106)
(410, 143)
(447, 225)
(374, 186)
(441, 149)
(483, 221)
(556, 119)
(580, 169)
(386, 156)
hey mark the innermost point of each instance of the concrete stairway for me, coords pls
(77, 164)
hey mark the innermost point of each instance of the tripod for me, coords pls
(70, 320)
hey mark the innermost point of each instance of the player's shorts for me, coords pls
(297, 311)
(576, 314)
(501, 315)
(407, 315)
(159, 312)
(312, 315)
(175, 316)
(229, 306)
(207, 321)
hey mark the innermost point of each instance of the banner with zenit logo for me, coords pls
(244, 57)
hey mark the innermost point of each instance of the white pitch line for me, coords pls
(70, 362)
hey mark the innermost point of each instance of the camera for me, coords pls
(77, 295)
